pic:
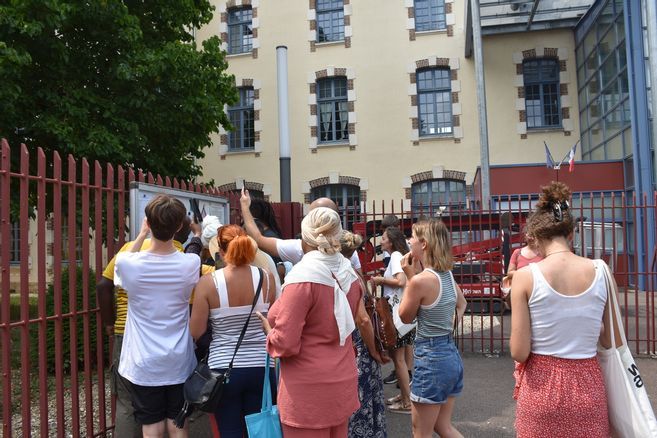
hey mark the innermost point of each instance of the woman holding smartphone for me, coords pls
(433, 297)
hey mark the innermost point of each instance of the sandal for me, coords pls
(401, 408)
(393, 400)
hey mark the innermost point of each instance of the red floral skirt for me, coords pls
(560, 398)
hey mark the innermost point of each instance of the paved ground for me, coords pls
(486, 407)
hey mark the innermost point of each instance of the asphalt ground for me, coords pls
(486, 407)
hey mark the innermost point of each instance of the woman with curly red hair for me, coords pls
(559, 310)
(225, 296)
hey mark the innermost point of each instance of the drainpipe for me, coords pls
(481, 104)
(283, 125)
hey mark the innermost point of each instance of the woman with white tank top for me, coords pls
(559, 308)
(225, 296)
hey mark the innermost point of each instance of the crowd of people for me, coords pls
(302, 303)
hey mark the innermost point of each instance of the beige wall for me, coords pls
(381, 56)
(501, 55)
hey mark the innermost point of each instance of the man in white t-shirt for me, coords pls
(158, 350)
(288, 250)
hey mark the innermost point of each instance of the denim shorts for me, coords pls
(438, 371)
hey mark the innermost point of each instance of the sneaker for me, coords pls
(392, 378)
(400, 408)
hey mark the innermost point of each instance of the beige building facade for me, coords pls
(407, 123)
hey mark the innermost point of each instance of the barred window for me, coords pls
(428, 197)
(345, 196)
(330, 20)
(434, 93)
(241, 116)
(333, 114)
(541, 80)
(429, 15)
(240, 35)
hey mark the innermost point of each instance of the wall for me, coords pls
(384, 155)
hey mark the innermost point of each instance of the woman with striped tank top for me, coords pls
(432, 297)
(225, 296)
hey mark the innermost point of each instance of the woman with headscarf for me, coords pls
(309, 329)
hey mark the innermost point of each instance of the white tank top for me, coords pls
(227, 323)
(566, 326)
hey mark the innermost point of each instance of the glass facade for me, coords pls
(603, 91)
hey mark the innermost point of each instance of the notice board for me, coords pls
(198, 205)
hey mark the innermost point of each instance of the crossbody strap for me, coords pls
(246, 324)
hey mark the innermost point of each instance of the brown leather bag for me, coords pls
(380, 313)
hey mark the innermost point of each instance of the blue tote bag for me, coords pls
(266, 423)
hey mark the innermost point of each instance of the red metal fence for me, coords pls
(68, 213)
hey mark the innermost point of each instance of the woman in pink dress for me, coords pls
(309, 328)
(559, 309)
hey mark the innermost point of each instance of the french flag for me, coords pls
(571, 158)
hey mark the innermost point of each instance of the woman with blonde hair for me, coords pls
(559, 309)
(226, 297)
(309, 329)
(433, 297)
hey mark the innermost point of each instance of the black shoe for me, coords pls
(392, 378)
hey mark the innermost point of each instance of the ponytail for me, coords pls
(238, 248)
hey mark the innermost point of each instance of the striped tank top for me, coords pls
(437, 318)
(227, 323)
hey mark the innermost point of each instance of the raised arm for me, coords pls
(267, 244)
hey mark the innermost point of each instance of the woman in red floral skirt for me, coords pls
(558, 312)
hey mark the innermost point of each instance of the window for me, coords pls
(14, 242)
(429, 15)
(434, 94)
(429, 197)
(65, 241)
(241, 117)
(541, 78)
(239, 30)
(253, 193)
(330, 20)
(347, 198)
(333, 114)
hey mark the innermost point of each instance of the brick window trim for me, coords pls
(454, 65)
(329, 72)
(257, 131)
(326, 180)
(561, 55)
(249, 185)
(223, 25)
(312, 27)
(429, 175)
(449, 20)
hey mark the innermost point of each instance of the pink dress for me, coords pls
(319, 380)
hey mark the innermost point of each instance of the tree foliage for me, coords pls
(118, 81)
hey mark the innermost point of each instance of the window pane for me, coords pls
(542, 97)
(242, 118)
(330, 21)
(333, 109)
(429, 15)
(240, 35)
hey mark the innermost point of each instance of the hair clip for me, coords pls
(558, 209)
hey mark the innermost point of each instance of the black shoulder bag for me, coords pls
(204, 387)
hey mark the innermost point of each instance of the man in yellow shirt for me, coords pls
(113, 320)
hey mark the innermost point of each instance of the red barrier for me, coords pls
(73, 214)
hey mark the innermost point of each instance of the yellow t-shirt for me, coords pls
(122, 295)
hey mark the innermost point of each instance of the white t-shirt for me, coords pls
(394, 267)
(290, 250)
(157, 348)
